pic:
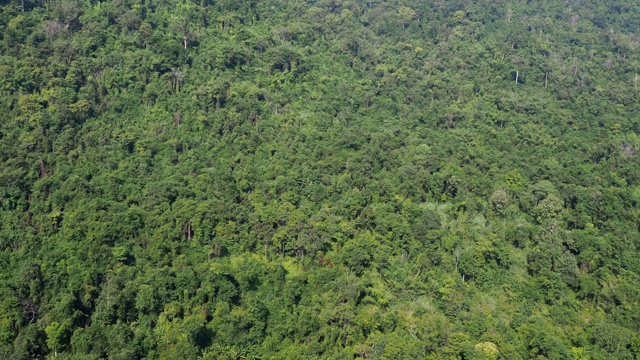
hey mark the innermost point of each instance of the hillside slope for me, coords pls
(319, 179)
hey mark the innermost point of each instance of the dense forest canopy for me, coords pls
(330, 179)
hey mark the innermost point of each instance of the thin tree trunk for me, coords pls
(545, 79)
(43, 170)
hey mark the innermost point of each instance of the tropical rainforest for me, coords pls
(319, 179)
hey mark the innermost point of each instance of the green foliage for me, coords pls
(324, 179)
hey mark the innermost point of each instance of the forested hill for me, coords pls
(271, 179)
